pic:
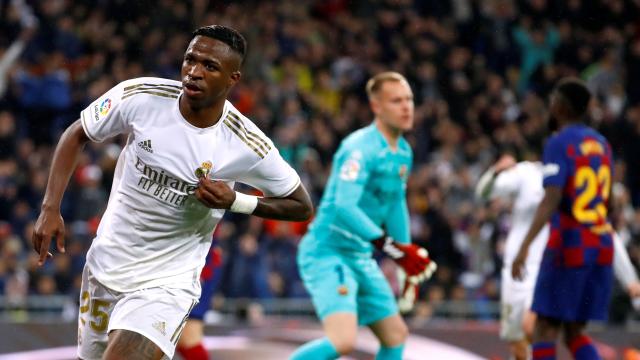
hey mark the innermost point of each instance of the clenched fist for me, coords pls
(214, 194)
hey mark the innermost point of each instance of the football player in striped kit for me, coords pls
(521, 184)
(575, 276)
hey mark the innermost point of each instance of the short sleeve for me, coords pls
(104, 118)
(556, 166)
(272, 175)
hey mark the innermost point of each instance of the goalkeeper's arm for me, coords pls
(396, 242)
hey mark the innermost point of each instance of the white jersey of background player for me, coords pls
(521, 183)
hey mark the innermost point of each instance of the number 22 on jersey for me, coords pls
(590, 204)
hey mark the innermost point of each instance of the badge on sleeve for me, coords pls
(351, 167)
(101, 109)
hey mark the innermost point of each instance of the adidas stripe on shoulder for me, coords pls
(253, 140)
(162, 90)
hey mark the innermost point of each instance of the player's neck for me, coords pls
(389, 134)
(563, 123)
(201, 117)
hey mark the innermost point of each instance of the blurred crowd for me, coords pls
(481, 72)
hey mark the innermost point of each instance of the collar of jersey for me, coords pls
(385, 144)
(176, 110)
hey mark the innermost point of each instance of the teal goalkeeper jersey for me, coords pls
(365, 193)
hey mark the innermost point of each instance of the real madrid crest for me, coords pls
(204, 169)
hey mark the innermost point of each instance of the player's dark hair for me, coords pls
(227, 35)
(575, 94)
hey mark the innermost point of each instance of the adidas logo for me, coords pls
(160, 326)
(146, 145)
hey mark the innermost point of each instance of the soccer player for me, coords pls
(574, 281)
(186, 147)
(190, 345)
(521, 183)
(364, 206)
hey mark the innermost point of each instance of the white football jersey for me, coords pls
(154, 231)
(523, 184)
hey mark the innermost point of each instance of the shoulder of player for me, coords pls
(527, 169)
(359, 141)
(246, 131)
(146, 87)
(557, 139)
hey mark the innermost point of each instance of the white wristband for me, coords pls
(244, 203)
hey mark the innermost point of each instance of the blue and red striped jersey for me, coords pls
(578, 160)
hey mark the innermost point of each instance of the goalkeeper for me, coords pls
(364, 206)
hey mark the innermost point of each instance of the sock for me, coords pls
(543, 350)
(197, 352)
(319, 349)
(582, 348)
(390, 353)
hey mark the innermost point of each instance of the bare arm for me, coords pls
(549, 204)
(296, 206)
(50, 222)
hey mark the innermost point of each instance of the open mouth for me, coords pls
(191, 89)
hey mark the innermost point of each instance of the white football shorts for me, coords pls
(158, 313)
(515, 300)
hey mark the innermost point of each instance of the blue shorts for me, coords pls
(340, 282)
(209, 281)
(575, 294)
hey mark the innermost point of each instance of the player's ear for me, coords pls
(234, 78)
(374, 104)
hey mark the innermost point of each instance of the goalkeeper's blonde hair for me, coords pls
(375, 83)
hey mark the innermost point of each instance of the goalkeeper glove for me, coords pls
(408, 293)
(411, 258)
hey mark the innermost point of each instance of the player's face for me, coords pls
(393, 105)
(209, 69)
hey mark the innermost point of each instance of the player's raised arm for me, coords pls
(499, 180)
(50, 223)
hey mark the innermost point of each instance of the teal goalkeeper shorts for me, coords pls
(345, 282)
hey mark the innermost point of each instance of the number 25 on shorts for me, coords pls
(99, 318)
